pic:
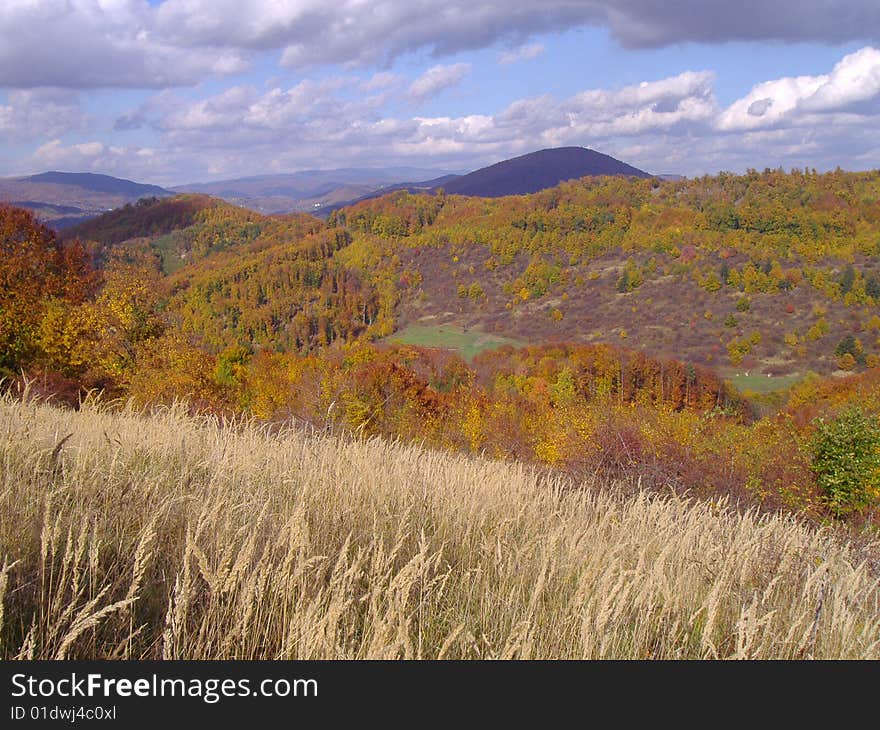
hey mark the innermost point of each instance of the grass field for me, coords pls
(467, 343)
(176, 537)
(758, 383)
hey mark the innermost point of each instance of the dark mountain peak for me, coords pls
(98, 183)
(537, 171)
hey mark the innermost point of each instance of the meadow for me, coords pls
(128, 534)
(467, 343)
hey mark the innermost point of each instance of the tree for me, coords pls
(846, 345)
(847, 279)
(35, 269)
(846, 460)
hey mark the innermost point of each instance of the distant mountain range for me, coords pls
(308, 190)
(62, 199)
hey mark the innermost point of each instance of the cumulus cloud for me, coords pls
(144, 163)
(351, 31)
(380, 81)
(99, 43)
(131, 43)
(672, 124)
(682, 99)
(854, 81)
(39, 113)
(436, 79)
(523, 53)
(245, 131)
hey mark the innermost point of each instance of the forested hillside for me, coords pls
(769, 271)
(637, 300)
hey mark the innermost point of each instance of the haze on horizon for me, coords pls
(177, 91)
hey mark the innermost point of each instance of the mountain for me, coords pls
(765, 279)
(99, 184)
(308, 190)
(62, 199)
(539, 170)
(522, 175)
(772, 274)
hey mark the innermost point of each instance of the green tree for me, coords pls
(846, 460)
(847, 345)
(847, 279)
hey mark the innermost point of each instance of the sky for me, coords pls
(179, 91)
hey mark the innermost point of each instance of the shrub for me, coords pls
(846, 362)
(846, 460)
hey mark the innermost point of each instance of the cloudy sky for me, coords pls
(176, 91)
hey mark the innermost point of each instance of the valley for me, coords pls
(628, 327)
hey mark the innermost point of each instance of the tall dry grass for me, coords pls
(127, 536)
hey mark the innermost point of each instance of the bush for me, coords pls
(847, 346)
(846, 460)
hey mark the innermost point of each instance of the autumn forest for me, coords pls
(692, 335)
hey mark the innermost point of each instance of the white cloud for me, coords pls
(131, 43)
(671, 124)
(86, 155)
(791, 100)
(141, 163)
(436, 79)
(39, 113)
(685, 98)
(523, 53)
(380, 81)
(287, 129)
(100, 43)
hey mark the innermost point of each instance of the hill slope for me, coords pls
(538, 170)
(63, 199)
(772, 273)
(203, 542)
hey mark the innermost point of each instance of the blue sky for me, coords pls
(175, 91)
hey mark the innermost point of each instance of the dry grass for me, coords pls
(169, 536)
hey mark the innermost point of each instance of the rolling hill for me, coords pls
(600, 318)
(62, 199)
(98, 184)
(765, 274)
